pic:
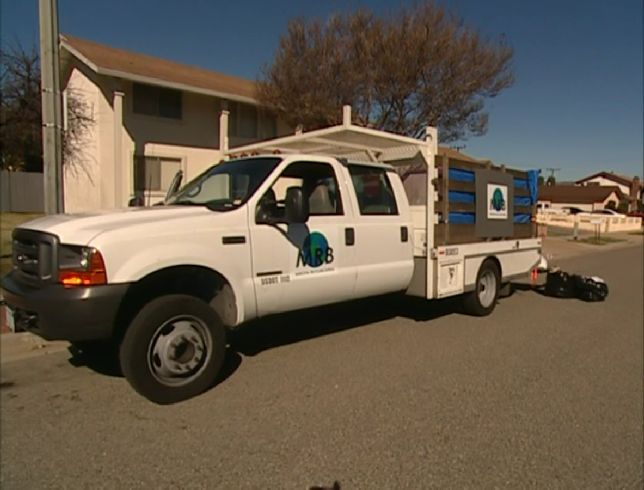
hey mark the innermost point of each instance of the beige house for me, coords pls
(586, 198)
(631, 188)
(151, 117)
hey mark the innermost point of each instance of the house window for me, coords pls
(156, 101)
(242, 119)
(154, 174)
(267, 126)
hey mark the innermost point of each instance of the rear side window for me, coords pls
(373, 189)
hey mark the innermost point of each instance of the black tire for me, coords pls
(173, 349)
(482, 301)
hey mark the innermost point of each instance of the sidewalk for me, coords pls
(561, 247)
(23, 345)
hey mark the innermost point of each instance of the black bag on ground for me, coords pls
(560, 284)
(590, 288)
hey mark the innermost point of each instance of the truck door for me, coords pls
(383, 232)
(302, 265)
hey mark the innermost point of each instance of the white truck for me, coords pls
(301, 221)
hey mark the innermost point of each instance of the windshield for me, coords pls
(227, 185)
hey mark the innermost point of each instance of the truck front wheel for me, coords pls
(482, 300)
(173, 349)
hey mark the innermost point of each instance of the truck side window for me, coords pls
(373, 189)
(317, 181)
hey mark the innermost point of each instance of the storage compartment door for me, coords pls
(450, 278)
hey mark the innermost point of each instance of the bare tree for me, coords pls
(20, 119)
(21, 115)
(421, 66)
(80, 121)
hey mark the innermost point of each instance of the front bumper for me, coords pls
(55, 312)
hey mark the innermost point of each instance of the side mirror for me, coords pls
(265, 212)
(174, 185)
(297, 208)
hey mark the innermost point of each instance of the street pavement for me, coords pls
(544, 393)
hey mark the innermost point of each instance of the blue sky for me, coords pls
(577, 100)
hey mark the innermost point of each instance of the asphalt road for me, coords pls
(544, 393)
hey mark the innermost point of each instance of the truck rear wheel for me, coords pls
(173, 349)
(482, 300)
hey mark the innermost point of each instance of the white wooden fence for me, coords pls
(606, 223)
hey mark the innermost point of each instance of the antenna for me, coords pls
(149, 189)
(458, 147)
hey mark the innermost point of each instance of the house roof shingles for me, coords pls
(118, 62)
(620, 179)
(577, 194)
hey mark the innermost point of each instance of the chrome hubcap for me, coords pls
(487, 288)
(179, 350)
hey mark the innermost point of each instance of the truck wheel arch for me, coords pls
(495, 259)
(202, 282)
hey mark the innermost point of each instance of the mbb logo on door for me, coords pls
(315, 251)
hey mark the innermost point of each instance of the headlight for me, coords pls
(80, 266)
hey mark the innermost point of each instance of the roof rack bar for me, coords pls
(223, 131)
(346, 116)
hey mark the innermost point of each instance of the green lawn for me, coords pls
(603, 240)
(8, 221)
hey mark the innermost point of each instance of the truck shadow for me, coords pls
(103, 359)
(287, 328)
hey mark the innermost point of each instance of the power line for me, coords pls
(552, 171)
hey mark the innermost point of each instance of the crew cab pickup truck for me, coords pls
(250, 237)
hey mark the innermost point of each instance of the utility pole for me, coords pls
(51, 106)
(552, 171)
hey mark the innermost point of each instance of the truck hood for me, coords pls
(80, 229)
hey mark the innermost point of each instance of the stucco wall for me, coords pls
(584, 207)
(194, 139)
(560, 205)
(198, 127)
(607, 182)
(613, 197)
(82, 176)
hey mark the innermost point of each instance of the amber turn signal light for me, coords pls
(92, 275)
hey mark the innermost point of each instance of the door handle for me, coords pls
(404, 234)
(349, 237)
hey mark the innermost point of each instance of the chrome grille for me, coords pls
(34, 255)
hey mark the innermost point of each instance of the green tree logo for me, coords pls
(497, 202)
